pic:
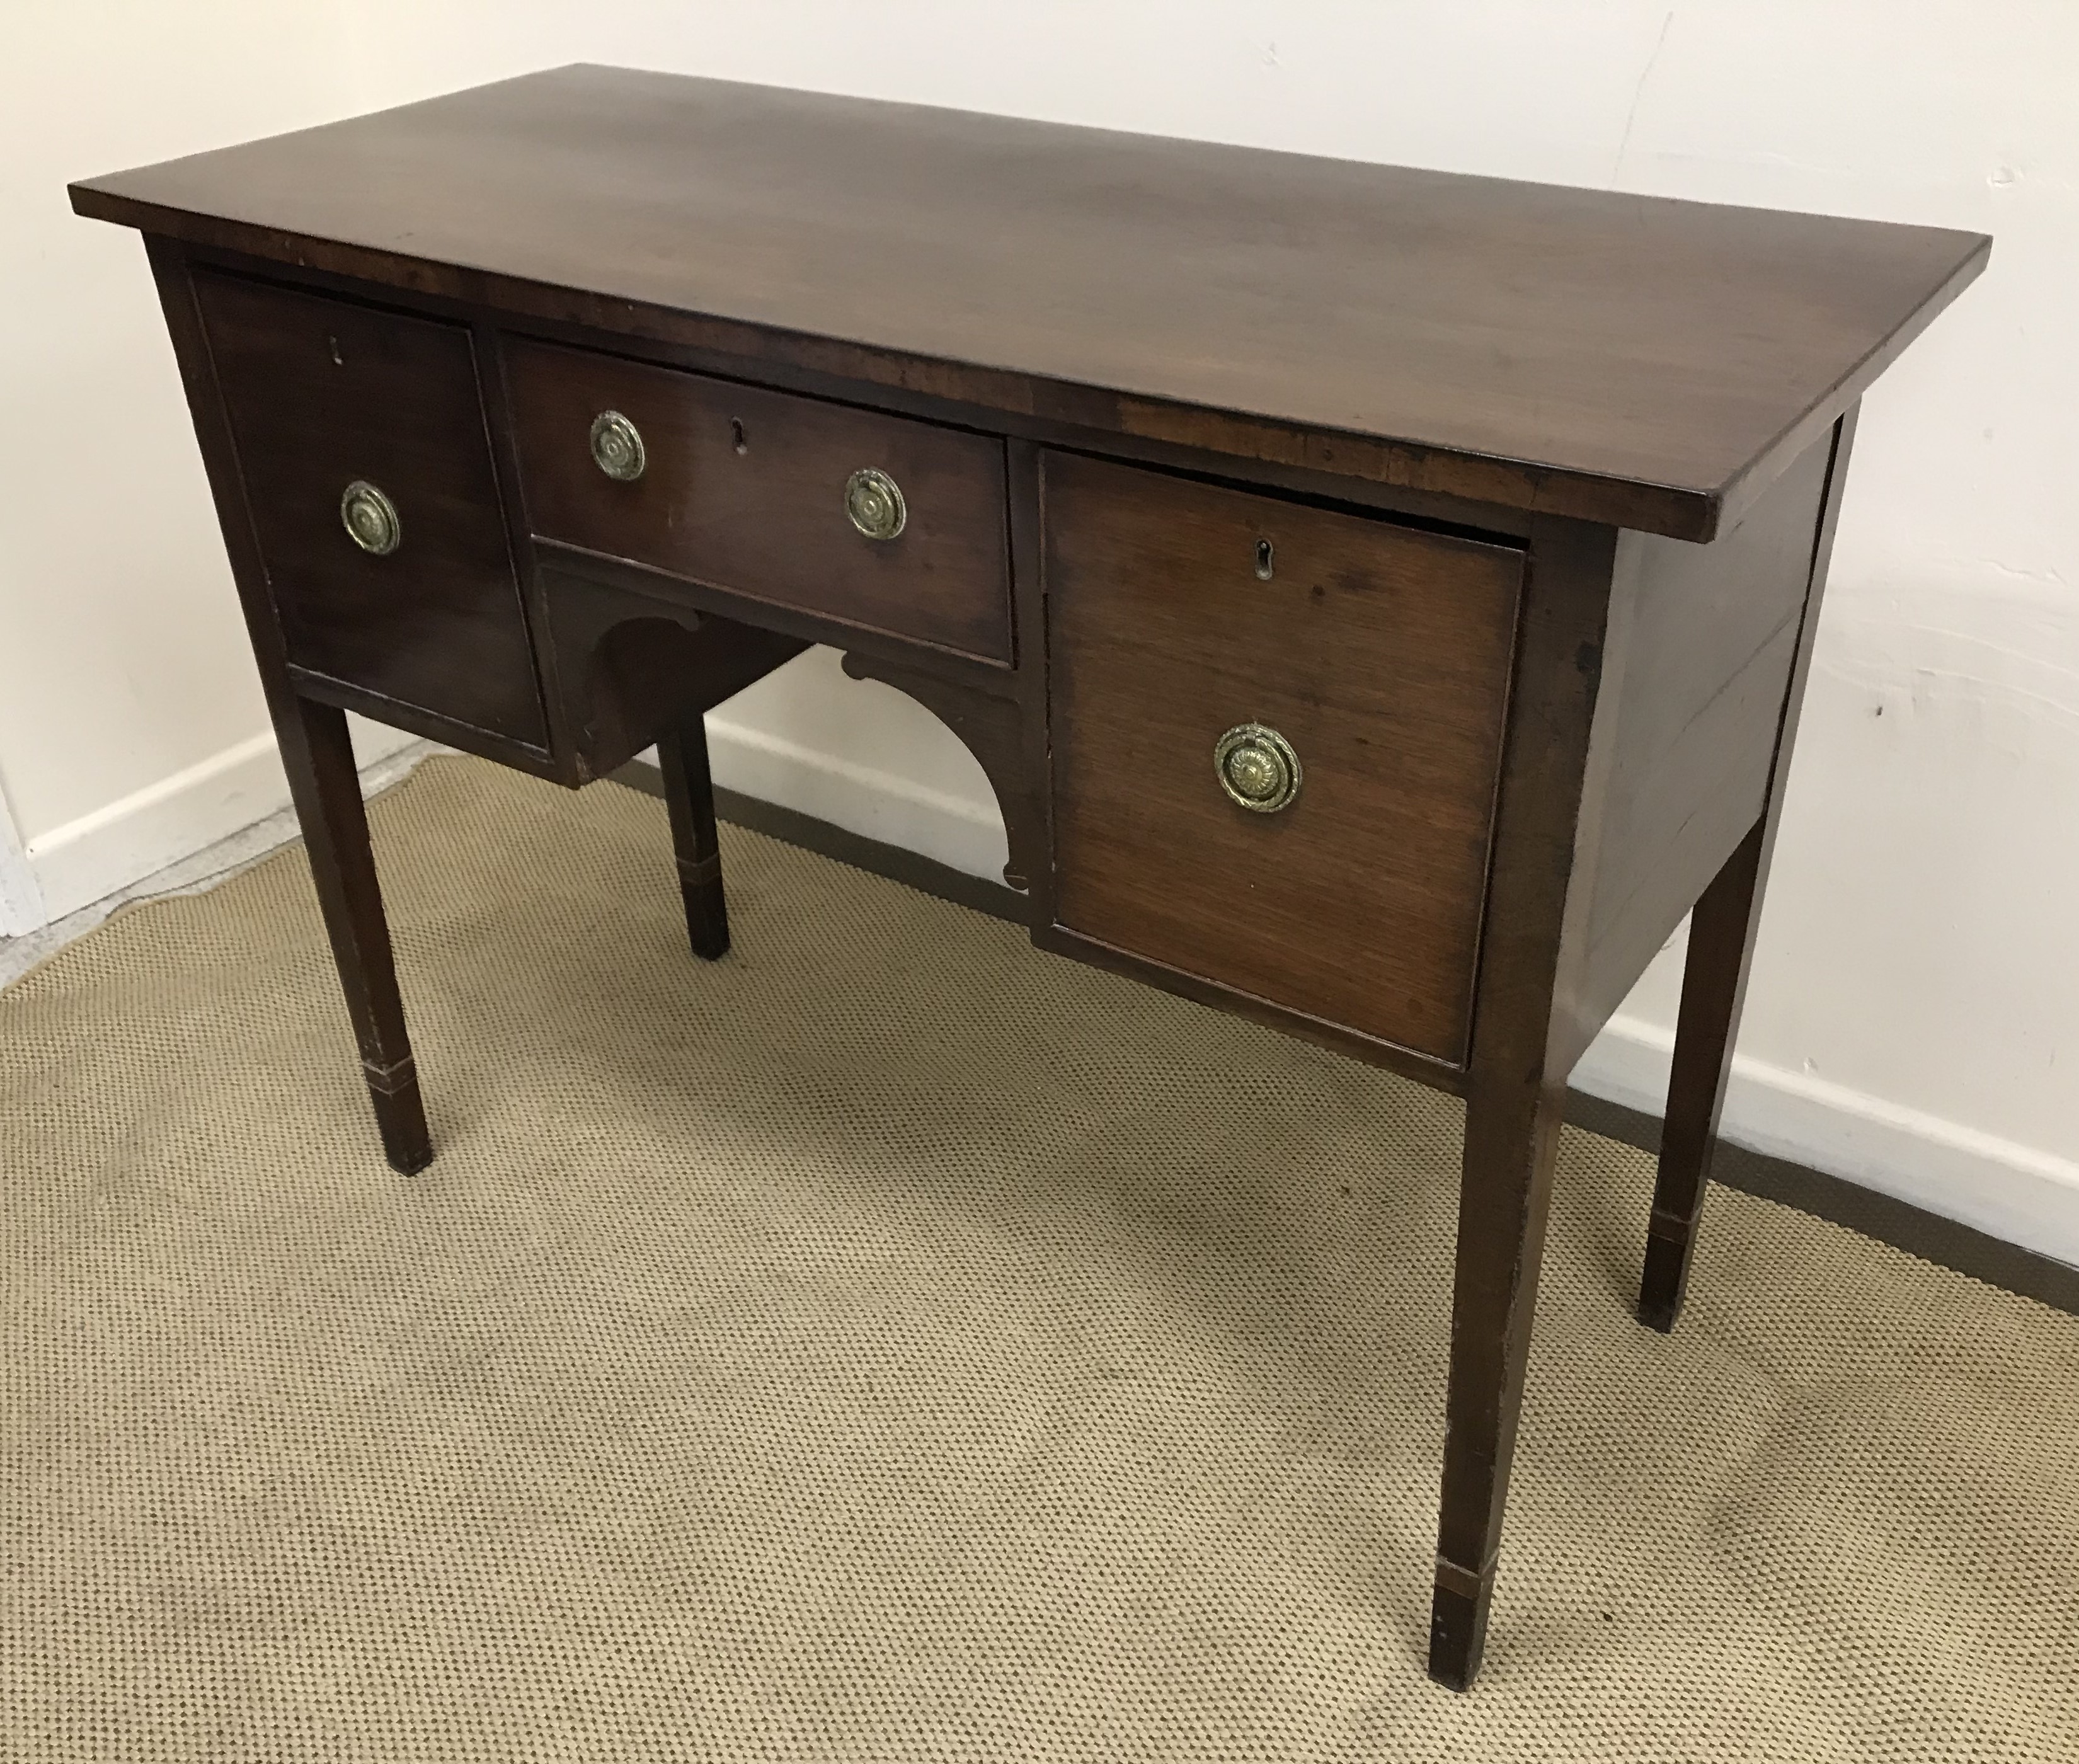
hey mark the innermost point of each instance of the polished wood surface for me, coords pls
(1723, 931)
(1400, 464)
(1704, 640)
(995, 728)
(1714, 976)
(744, 489)
(325, 784)
(321, 393)
(1516, 1090)
(1626, 358)
(682, 757)
(631, 667)
(1381, 652)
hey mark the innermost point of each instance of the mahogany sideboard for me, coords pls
(1380, 599)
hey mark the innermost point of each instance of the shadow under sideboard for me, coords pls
(1882, 1217)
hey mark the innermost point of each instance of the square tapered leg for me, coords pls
(689, 799)
(325, 785)
(1714, 984)
(1510, 1142)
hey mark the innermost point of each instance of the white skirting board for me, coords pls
(1995, 1185)
(2011, 1191)
(960, 831)
(42, 935)
(233, 808)
(102, 854)
(21, 895)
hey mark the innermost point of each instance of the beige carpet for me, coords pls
(894, 1343)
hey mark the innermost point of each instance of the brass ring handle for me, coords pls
(1257, 767)
(370, 519)
(617, 447)
(875, 503)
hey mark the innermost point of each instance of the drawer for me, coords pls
(747, 490)
(1380, 654)
(324, 395)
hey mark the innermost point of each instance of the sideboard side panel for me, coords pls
(1713, 638)
(170, 274)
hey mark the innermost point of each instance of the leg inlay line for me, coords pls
(706, 869)
(393, 1078)
(1462, 1581)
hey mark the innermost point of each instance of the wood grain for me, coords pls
(1381, 652)
(325, 785)
(1710, 634)
(744, 489)
(317, 757)
(1529, 737)
(634, 667)
(1627, 358)
(322, 392)
(1516, 1085)
(1722, 934)
(682, 757)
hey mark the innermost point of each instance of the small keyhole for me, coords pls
(737, 438)
(337, 359)
(1265, 566)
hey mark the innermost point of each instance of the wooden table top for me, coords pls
(1626, 358)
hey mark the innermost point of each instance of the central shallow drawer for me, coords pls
(755, 491)
(1360, 670)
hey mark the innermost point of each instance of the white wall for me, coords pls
(1915, 1019)
(21, 895)
(132, 732)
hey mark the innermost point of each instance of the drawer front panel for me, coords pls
(323, 395)
(1382, 654)
(745, 489)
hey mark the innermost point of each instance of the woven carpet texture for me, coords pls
(893, 1344)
